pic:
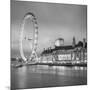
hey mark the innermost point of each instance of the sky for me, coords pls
(55, 20)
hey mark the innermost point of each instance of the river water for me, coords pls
(38, 76)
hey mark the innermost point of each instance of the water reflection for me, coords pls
(79, 68)
(43, 76)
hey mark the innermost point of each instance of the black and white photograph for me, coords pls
(48, 44)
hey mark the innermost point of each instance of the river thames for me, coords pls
(38, 76)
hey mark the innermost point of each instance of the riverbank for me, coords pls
(59, 64)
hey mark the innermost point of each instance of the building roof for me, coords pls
(64, 47)
(68, 47)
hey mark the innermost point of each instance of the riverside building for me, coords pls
(75, 53)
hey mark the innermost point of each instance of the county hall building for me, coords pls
(75, 53)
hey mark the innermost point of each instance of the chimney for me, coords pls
(74, 42)
(84, 42)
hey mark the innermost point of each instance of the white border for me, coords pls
(5, 43)
(61, 1)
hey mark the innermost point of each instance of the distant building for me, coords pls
(72, 53)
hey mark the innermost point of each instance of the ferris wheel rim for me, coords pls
(35, 36)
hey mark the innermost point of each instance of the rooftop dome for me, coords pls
(59, 42)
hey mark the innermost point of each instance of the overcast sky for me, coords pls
(54, 21)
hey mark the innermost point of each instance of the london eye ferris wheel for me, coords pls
(34, 38)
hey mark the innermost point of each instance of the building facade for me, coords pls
(75, 53)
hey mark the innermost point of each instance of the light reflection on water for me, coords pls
(43, 76)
